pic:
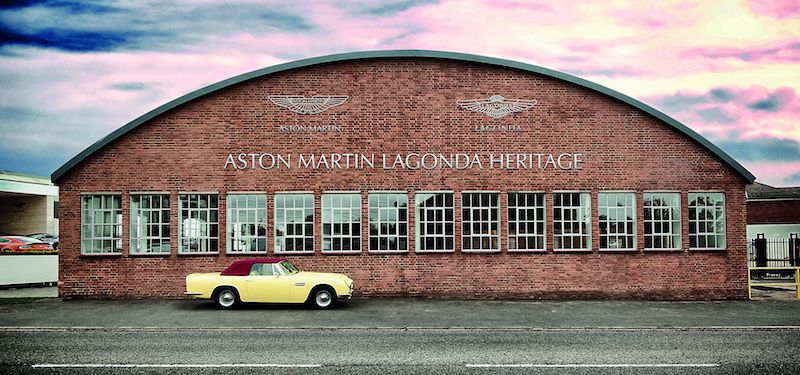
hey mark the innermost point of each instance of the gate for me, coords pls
(774, 252)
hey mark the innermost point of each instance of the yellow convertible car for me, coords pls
(271, 280)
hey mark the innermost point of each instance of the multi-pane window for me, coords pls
(341, 222)
(247, 223)
(662, 221)
(617, 213)
(572, 221)
(706, 220)
(434, 222)
(526, 221)
(294, 223)
(198, 227)
(150, 227)
(388, 222)
(101, 224)
(480, 219)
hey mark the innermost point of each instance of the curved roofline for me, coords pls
(367, 55)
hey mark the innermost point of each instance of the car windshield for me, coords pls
(289, 267)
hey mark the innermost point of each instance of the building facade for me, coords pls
(416, 173)
(28, 204)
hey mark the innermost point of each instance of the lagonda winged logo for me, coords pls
(308, 106)
(496, 106)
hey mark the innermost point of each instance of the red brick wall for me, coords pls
(773, 212)
(401, 106)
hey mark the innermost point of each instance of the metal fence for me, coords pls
(774, 252)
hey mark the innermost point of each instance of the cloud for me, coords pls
(785, 51)
(792, 179)
(725, 112)
(762, 149)
(776, 8)
(146, 25)
(384, 8)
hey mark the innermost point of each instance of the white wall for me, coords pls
(28, 269)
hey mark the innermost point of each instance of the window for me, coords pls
(434, 222)
(480, 221)
(55, 210)
(198, 229)
(388, 222)
(572, 228)
(706, 220)
(262, 269)
(101, 224)
(294, 223)
(247, 223)
(617, 212)
(150, 223)
(662, 221)
(341, 222)
(526, 221)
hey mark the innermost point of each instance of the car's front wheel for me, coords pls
(323, 298)
(226, 298)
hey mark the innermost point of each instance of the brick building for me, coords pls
(416, 173)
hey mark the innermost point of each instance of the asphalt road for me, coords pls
(409, 351)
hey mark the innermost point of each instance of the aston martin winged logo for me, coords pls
(496, 106)
(307, 106)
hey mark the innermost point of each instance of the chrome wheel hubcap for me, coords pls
(323, 298)
(226, 298)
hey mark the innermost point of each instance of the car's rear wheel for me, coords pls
(323, 298)
(226, 298)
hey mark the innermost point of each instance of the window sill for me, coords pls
(341, 252)
(588, 251)
(134, 255)
(709, 249)
(235, 253)
(387, 252)
(101, 255)
(294, 253)
(663, 250)
(199, 254)
(522, 251)
(481, 251)
(435, 251)
(619, 250)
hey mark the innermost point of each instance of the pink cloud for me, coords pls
(776, 8)
(777, 52)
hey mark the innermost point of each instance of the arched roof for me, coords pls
(370, 55)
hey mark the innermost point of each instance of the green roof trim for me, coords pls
(369, 55)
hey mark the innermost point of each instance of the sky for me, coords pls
(72, 72)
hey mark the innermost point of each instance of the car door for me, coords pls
(264, 284)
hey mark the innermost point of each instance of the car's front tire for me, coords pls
(226, 298)
(323, 298)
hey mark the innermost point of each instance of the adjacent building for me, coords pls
(416, 173)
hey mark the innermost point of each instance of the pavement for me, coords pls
(400, 336)
(402, 313)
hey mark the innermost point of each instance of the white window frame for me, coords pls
(718, 211)
(233, 225)
(210, 239)
(281, 222)
(479, 210)
(585, 212)
(674, 210)
(135, 214)
(380, 215)
(536, 220)
(629, 224)
(329, 209)
(418, 221)
(115, 236)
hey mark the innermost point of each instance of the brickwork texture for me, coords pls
(404, 105)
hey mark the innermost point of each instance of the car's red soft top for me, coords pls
(242, 267)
